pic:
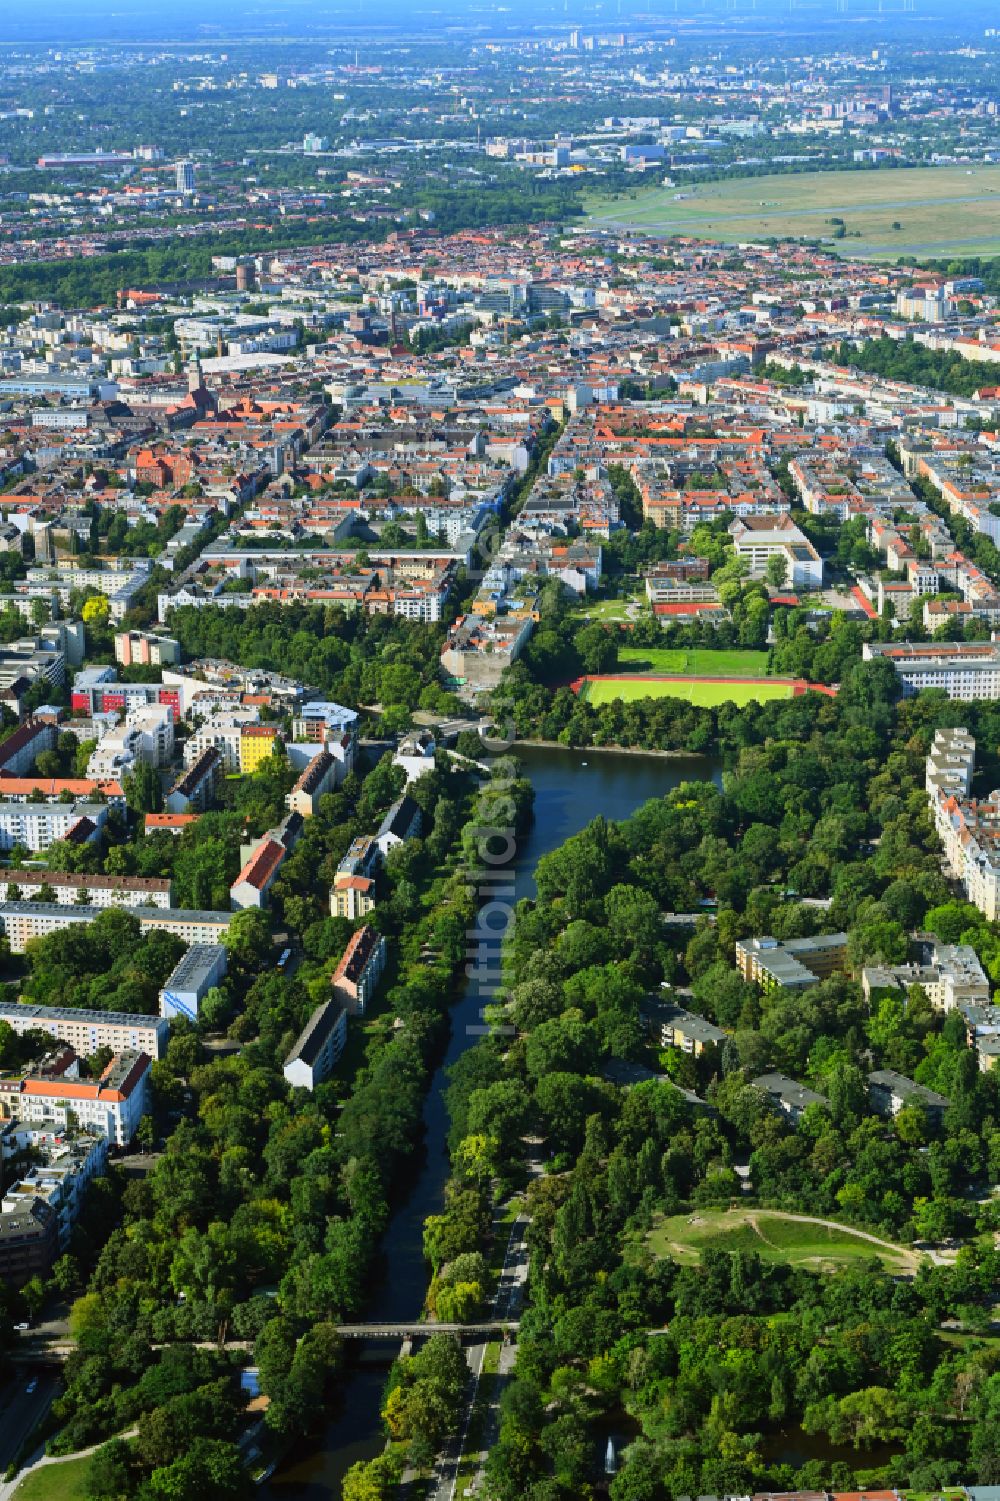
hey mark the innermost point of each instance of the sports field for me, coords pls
(699, 662)
(939, 210)
(706, 693)
(774, 1236)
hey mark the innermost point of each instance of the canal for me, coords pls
(571, 788)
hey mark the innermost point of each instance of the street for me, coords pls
(21, 1412)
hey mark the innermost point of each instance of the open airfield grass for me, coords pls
(56, 1482)
(698, 662)
(705, 693)
(940, 210)
(774, 1236)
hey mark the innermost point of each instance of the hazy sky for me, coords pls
(74, 21)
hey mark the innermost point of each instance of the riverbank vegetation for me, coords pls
(260, 1218)
(712, 1367)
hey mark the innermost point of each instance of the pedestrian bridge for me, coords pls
(490, 1328)
(40, 1348)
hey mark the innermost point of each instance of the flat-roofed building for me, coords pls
(965, 670)
(951, 763)
(184, 989)
(146, 649)
(29, 1241)
(795, 964)
(37, 825)
(758, 539)
(787, 1095)
(950, 975)
(257, 742)
(318, 1047)
(671, 1026)
(86, 1031)
(968, 827)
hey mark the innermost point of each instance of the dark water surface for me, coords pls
(571, 788)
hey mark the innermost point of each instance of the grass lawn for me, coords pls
(705, 695)
(61, 1482)
(699, 662)
(938, 209)
(683, 1237)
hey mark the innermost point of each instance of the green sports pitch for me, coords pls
(705, 693)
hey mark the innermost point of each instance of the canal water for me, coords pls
(571, 788)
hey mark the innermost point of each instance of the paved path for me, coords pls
(913, 1258)
(507, 1301)
(8, 1488)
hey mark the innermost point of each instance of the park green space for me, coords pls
(940, 210)
(56, 1482)
(774, 1237)
(619, 611)
(704, 694)
(699, 662)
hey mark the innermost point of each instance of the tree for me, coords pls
(248, 937)
(96, 610)
(776, 570)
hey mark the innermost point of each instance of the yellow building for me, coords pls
(352, 896)
(256, 744)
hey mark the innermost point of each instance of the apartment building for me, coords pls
(890, 1093)
(114, 1104)
(318, 1047)
(23, 921)
(671, 1026)
(146, 649)
(950, 975)
(195, 788)
(251, 887)
(357, 975)
(86, 1031)
(222, 732)
(352, 896)
(34, 788)
(966, 670)
(757, 539)
(37, 825)
(257, 742)
(319, 777)
(184, 989)
(950, 764)
(353, 892)
(22, 747)
(403, 821)
(788, 1095)
(146, 738)
(969, 828)
(100, 890)
(477, 650)
(60, 1178)
(29, 1241)
(795, 964)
